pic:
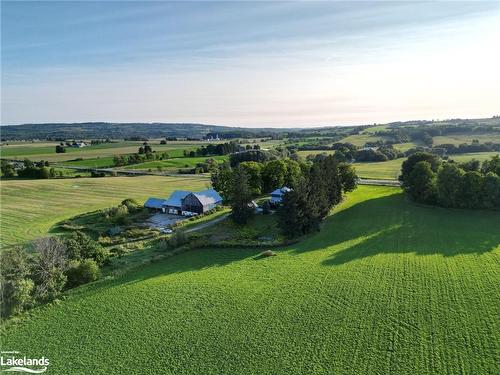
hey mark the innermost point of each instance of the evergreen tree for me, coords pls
(240, 197)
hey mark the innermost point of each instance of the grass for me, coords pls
(392, 169)
(175, 163)
(387, 287)
(29, 208)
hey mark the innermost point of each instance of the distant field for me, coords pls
(175, 162)
(385, 170)
(391, 169)
(466, 138)
(44, 151)
(360, 139)
(387, 287)
(29, 208)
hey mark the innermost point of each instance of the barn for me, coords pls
(201, 202)
(183, 202)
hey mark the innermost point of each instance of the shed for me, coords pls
(154, 204)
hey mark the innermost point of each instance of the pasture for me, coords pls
(387, 286)
(29, 208)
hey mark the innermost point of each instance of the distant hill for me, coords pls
(95, 130)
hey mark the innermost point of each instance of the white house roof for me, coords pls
(176, 198)
(281, 191)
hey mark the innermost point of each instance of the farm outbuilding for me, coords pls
(277, 195)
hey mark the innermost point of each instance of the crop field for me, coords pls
(387, 286)
(175, 163)
(29, 208)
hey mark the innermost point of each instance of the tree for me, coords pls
(241, 197)
(8, 169)
(60, 149)
(293, 172)
(49, 266)
(273, 175)
(491, 188)
(421, 183)
(222, 180)
(412, 160)
(253, 171)
(82, 272)
(471, 189)
(289, 214)
(448, 184)
(348, 177)
(81, 246)
(15, 282)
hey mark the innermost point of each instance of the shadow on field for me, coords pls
(391, 224)
(194, 260)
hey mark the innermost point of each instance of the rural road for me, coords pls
(207, 224)
(364, 181)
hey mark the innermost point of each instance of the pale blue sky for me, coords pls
(249, 63)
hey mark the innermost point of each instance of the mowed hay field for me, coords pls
(387, 287)
(29, 208)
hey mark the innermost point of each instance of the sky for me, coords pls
(254, 64)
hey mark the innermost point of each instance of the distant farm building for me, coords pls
(187, 203)
(277, 195)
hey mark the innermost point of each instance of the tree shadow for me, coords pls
(391, 224)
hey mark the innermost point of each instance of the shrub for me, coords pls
(178, 238)
(82, 272)
(81, 246)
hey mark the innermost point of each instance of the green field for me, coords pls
(387, 287)
(46, 151)
(457, 139)
(392, 169)
(175, 163)
(29, 208)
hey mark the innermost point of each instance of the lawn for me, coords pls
(29, 208)
(387, 287)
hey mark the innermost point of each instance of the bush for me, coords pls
(178, 238)
(82, 272)
(81, 246)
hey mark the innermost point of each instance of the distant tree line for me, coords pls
(428, 179)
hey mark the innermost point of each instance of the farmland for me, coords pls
(46, 151)
(386, 287)
(175, 163)
(29, 208)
